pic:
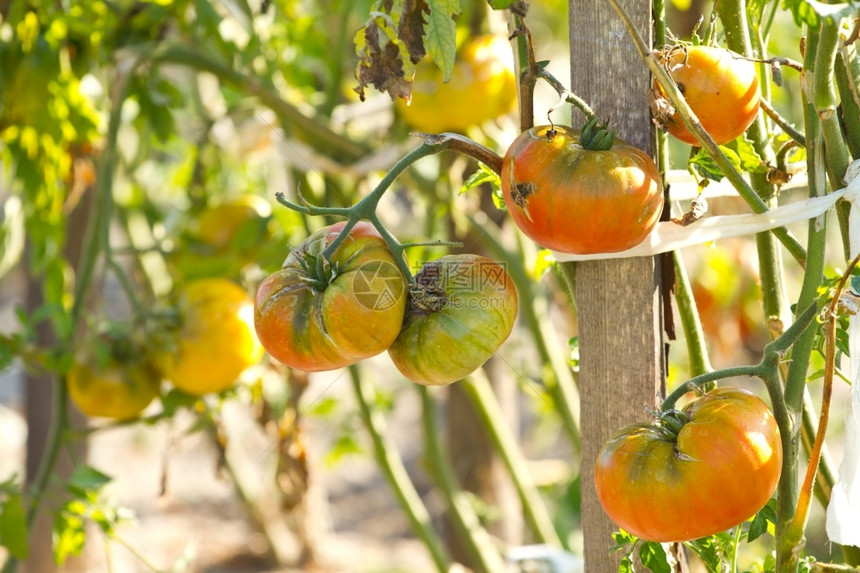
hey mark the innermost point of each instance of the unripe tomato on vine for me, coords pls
(482, 87)
(461, 310)
(692, 473)
(325, 312)
(581, 192)
(720, 87)
(111, 378)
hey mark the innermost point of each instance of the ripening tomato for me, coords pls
(215, 340)
(693, 473)
(571, 195)
(463, 309)
(242, 219)
(721, 89)
(111, 388)
(316, 314)
(482, 87)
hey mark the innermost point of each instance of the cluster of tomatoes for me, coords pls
(210, 343)
(201, 342)
(342, 296)
(586, 192)
(324, 310)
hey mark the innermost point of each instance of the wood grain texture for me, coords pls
(619, 305)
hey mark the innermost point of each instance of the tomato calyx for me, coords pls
(318, 271)
(596, 136)
(426, 294)
(671, 422)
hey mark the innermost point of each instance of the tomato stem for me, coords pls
(766, 369)
(794, 530)
(691, 121)
(395, 471)
(366, 208)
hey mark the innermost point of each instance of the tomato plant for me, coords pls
(482, 87)
(693, 473)
(107, 387)
(321, 312)
(581, 192)
(720, 87)
(463, 309)
(215, 341)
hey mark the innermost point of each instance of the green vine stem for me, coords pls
(797, 370)
(94, 245)
(479, 390)
(743, 188)
(392, 467)
(783, 124)
(366, 208)
(733, 15)
(690, 322)
(556, 373)
(824, 97)
(524, 56)
(766, 369)
(470, 531)
(793, 532)
(565, 94)
(847, 74)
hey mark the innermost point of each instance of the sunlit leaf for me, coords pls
(653, 556)
(440, 34)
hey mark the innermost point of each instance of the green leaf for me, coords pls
(87, 480)
(653, 557)
(440, 35)
(500, 4)
(706, 167)
(759, 523)
(482, 175)
(344, 446)
(802, 12)
(712, 549)
(626, 565)
(748, 157)
(622, 539)
(13, 526)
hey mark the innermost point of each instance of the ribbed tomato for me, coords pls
(721, 89)
(570, 197)
(317, 314)
(463, 308)
(693, 473)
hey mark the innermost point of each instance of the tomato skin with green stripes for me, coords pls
(319, 314)
(693, 473)
(572, 199)
(461, 310)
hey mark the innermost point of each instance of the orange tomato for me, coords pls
(721, 89)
